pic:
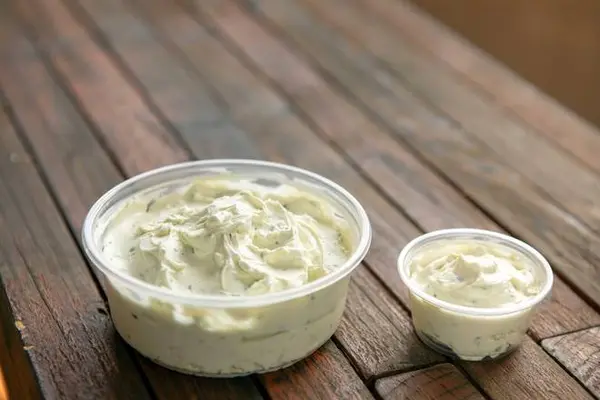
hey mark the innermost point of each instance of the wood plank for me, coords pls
(528, 374)
(502, 85)
(80, 171)
(49, 296)
(73, 159)
(173, 385)
(442, 382)
(121, 110)
(380, 359)
(565, 180)
(303, 380)
(184, 99)
(378, 334)
(430, 201)
(579, 353)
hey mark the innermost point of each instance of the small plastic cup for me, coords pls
(220, 335)
(471, 333)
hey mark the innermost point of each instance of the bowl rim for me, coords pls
(94, 255)
(476, 234)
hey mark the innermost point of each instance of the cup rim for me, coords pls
(93, 253)
(466, 233)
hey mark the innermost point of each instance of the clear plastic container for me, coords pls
(471, 333)
(218, 335)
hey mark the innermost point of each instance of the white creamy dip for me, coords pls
(479, 275)
(231, 238)
(475, 275)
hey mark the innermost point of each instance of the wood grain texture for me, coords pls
(303, 380)
(232, 24)
(156, 375)
(529, 373)
(351, 67)
(50, 296)
(566, 180)
(221, 107)
(430, 201)
(184, 99)
(579, 353)
(68, 152)
(502, 86)
(80, 171)
(409, 115)
(376, 333)
(173, 385)
(442, 382)
(90, 73)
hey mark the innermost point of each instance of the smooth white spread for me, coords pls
(226, 237)
(475, 275)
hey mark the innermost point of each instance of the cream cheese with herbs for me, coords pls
(478, 275)
(475, 275)
(226, 237)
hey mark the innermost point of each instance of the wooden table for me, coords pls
(425, 130)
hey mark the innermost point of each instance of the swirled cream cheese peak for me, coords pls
(227, 236)
(475, 274)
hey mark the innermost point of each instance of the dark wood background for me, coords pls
(555, 44)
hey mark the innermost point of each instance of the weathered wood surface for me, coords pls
(79, 170)
(442, 382)
(428, 200)
(49, 297)
(579, 353)
(501, 85)
(93, 92)
(515, 190)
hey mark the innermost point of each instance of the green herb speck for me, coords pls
(150, 204)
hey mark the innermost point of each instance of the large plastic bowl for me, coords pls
(219, 335)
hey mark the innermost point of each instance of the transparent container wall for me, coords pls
(468, 337)
(223, 335)
(227, 341)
